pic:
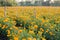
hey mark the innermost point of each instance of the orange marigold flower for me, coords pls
(19, 31)
(29, 38)
(35, 26)
(15, 38)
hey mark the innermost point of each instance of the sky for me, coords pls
(30, 0)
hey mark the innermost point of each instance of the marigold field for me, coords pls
(30, 23)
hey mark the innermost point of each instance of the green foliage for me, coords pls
(7, 3)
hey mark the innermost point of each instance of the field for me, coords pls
(30, 23)
(31, 10)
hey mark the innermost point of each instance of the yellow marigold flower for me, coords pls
(57, 21)
(20, 25)
(29, 38)
(41, 29)
(4, 26)
(57, 29)
(43, 38)
(24, 39)
(50, 33)
(11, 28)
(14, 22)
(15, 38)
(32, 23)
(40, 33)
(51, 27)
(6, 20)
(31, 32)
(35, 26)
(8, 32)
(0, 25)
(45, 25)
(10, 39)
(13, 34)
(34, 39)
(47, 20)
(43, 20)
(47, 30)
(15, 27)
(8, 35)
(24, 28)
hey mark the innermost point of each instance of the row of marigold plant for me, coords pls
(42, 28)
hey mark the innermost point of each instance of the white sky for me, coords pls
(29, 0)
(51, 0)
(22, 0)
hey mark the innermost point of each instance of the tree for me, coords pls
(7, 3)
